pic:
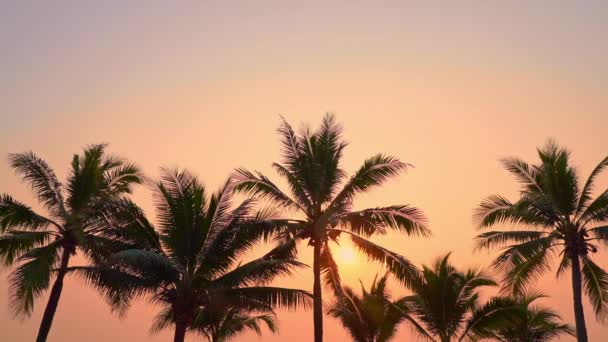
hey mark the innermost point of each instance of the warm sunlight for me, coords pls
(345, 254)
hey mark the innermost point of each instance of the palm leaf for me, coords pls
(596, 287)
(403, 218)
(16, 215)
(398, 265)
(42, 179)
(585, 195)
(14, 243)
(32, 277)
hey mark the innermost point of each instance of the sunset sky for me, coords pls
(447, 86)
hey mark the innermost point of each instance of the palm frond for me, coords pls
(585, 195)
(259, 271)
(597, 211)
(495, 210)
(255, 297)
(15, 243)
(595, 280)
(600, 233)
(259, 185)
(404, 218)
(147, 264)
(495, 239)
(329, 270)
(373, 173)
(42, 179)
(523, 263)
(32, 277)
(118, 288)
(397, 264)
(16, 215)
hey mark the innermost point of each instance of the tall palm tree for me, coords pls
(372, 316)
(323, 197)
(526, 322)
(446, 301)
(553, 216)
(225, 325)
(40, 245)
(189, 263)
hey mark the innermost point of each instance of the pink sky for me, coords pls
(201, 85)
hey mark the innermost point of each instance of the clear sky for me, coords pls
(447, 86)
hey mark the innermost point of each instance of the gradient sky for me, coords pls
(447, 86)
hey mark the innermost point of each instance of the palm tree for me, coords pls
(554, 216)
(372, 316)
(189, 263)
(42, 245)
(323, 197)
(224, 325)
(530, 323)
(445, 301)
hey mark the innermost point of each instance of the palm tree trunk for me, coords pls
(180, 331)
(51, 306)
(579, 315)
(316, 292)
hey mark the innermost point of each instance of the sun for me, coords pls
(345, 254)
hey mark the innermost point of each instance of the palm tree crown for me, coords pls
(445, 300)
(41, 245)
(527, 322)
(225, 325)
(323, 195)
(554, 216)
(190, 262)
(372, 316)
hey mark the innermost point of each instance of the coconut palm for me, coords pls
(526, 322)
(41, 245)
(323, 198)
(372, 316)
(553, 217)
(190, 262)
(225, 325)
(446, 301)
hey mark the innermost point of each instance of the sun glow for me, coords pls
(345, 254)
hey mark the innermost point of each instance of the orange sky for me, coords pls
(200, 85)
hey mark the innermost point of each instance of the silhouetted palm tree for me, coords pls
(190, 263)
(41, 245)
(225, 325)
(553, 216)
(372, 316)
(445, 301)
(324, 197)
(526, 322)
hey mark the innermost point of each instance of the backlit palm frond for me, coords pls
(523, 263)
(404, 218)
(499, 239)
(600, 233)
(42, 179)
(32, 277)
(256, 297)
(329, 270)
(15, 243)
(119, 288)
(373, 173)
(596, 211)
(398, 265)
(16, 215)
(585, 195)
(495, 210)
(260, 186)
(595, 280)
